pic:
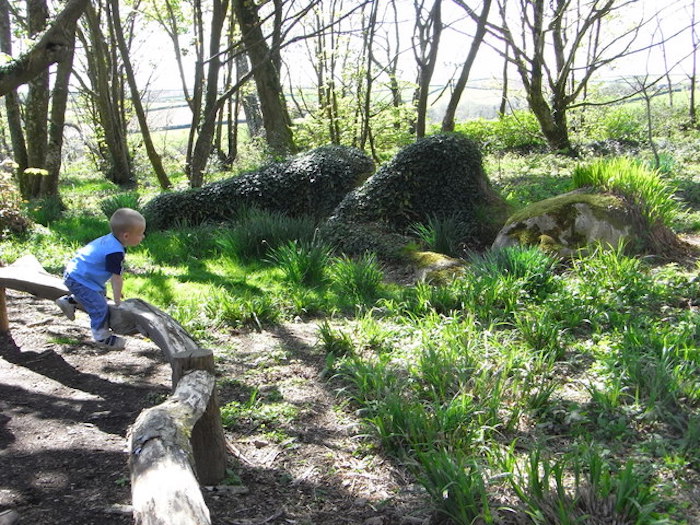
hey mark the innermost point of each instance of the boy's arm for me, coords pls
(117, 284)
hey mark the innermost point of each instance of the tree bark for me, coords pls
(428, 34)
(52, 47)
(276, 120)
(153, 156)
(203, 145)
(448, 120)
(12, 106)
(108, 98)
(164, 488)
(36, 109)
(59, 102)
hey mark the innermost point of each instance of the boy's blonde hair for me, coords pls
(124, 219)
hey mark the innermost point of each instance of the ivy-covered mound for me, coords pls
(311, 183)
(440, 176)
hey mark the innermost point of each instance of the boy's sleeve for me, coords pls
(113, 262)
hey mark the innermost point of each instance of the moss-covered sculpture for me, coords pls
(439, 176)
(312, 183)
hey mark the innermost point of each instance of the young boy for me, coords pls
(96, 263)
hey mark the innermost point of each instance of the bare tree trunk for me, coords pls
(428, 35)
(12, 106)
(108, 97)
(202, 147)
(276, 119)
(248, 99)
(153, 156)
(504, 88)
(693, 75)
(370, 30)
(59, 102)
(448, 121)
(37, 107)
(197, 88)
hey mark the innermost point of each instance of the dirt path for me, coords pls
(67, 405)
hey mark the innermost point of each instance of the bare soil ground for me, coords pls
(67, 406)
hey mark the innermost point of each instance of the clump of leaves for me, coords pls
(627, 177)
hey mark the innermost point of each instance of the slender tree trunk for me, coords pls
(12, 105)
(448, 120)
(692, 114)
(59, 102)
(197, 88)
(370, 31)
(426, 55)
(37, 106)
(203, 145)
(504, 88)
(248, 99)
(107, 95)
(153, 156)
(278, 129)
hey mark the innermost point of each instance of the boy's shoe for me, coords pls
(66, 306)
(113, 342)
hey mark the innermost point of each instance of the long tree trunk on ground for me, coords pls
(153, 155)
(276, 118)
(12, 105)
(203, 145)
(448, 120)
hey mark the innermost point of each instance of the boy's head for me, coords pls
(128, 226)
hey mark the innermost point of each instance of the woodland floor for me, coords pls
(67, 406)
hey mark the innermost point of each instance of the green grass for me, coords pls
(625, 176)
(526, 387)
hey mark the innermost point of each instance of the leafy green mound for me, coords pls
(311, 184)
(439, 176)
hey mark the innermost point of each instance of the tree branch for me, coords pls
(53, 46)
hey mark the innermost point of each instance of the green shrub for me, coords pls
(357, 280)
(122, 200)
(258, 231)
(310, 183)
(442, 234)
(302, 262)
(46, 210)
(625, 123)
(12, 216)
(518, 131)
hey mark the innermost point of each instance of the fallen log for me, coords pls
(164, 488)
(137, 316)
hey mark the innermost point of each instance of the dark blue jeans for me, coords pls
(95, 304)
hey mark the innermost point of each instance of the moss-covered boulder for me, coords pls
(440, 176)
(311, 183)
(435, 268)
(570, 222)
